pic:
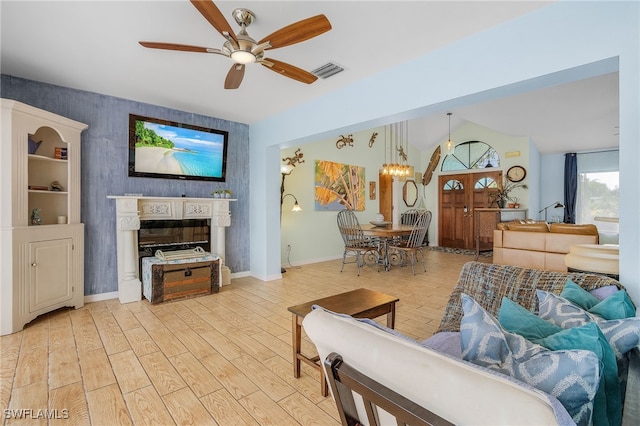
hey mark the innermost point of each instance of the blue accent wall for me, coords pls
(105, 172)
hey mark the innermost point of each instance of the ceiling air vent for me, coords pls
(327, 70)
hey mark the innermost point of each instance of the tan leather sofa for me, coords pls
(538, 245)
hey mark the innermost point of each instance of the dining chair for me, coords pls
(410, 217)
(407, 217)
(355, 242)
(413, 245)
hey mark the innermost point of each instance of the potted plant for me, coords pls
(501, 196)
(222, 193)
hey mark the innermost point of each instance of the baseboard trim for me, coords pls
(101, 296)
(240, 274)
(114, 294)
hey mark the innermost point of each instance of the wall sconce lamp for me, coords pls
(555, 205)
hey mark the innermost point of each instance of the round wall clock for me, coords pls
(516, 173)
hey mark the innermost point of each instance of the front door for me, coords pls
(459, 195)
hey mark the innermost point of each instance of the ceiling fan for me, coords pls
(242, 49)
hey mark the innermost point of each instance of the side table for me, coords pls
(360, 303)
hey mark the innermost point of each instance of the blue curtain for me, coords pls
(570, 186)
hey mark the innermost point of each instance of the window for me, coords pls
(453, 185)
(486, 182)
(598, 189)
(471, 155)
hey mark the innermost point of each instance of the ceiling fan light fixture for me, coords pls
(243, 49)
(243, 57)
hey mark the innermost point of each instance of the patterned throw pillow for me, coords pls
(622, 334)
(572, 376)
(607, 405)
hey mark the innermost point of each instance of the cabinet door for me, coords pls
(50, 277)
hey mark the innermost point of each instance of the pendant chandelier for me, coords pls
(449, 146)
(397, 147)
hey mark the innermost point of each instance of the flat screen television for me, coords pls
(170, 150)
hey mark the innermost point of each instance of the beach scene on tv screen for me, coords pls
(177, 150)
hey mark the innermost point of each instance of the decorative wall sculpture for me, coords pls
(339, 186)
(344, 141)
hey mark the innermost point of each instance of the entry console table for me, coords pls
(130, 210)
(487, 220)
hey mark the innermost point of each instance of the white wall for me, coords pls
(564, 41)
(313, 235)
(551, 184)
(502, 143)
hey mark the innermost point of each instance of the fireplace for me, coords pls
(168, 235)
(134, 212)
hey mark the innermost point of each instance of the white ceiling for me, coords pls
(93, 46)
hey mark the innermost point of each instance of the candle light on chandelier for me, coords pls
(397, 136)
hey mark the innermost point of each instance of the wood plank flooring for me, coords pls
(221, 359)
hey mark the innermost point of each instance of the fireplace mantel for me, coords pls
(130, 210)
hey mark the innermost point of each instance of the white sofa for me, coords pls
(456, 390)
(432, 373)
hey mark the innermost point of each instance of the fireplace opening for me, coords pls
(168, 235)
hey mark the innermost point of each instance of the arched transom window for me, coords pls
(471, 155)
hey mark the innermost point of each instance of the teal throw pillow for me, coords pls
(571, 376)
(607, 408)
(579, 295)
(622, 334)
(616, 306)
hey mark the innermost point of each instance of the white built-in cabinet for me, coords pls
(41, 262)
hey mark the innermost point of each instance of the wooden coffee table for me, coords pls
(360, 303)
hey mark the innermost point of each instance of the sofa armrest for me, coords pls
(497, 237)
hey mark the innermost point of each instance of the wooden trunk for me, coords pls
(182, 280)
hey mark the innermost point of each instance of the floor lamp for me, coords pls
(555, 205)
(296, 208)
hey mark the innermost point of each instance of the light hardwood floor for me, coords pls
(220, 359)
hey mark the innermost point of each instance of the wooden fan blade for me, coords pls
(173, 46)
(234, 76)
(298, 31)
(289, 71)
(212, 14)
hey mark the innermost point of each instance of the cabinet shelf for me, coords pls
(42, 191)
(37, 157)
(46, 272)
